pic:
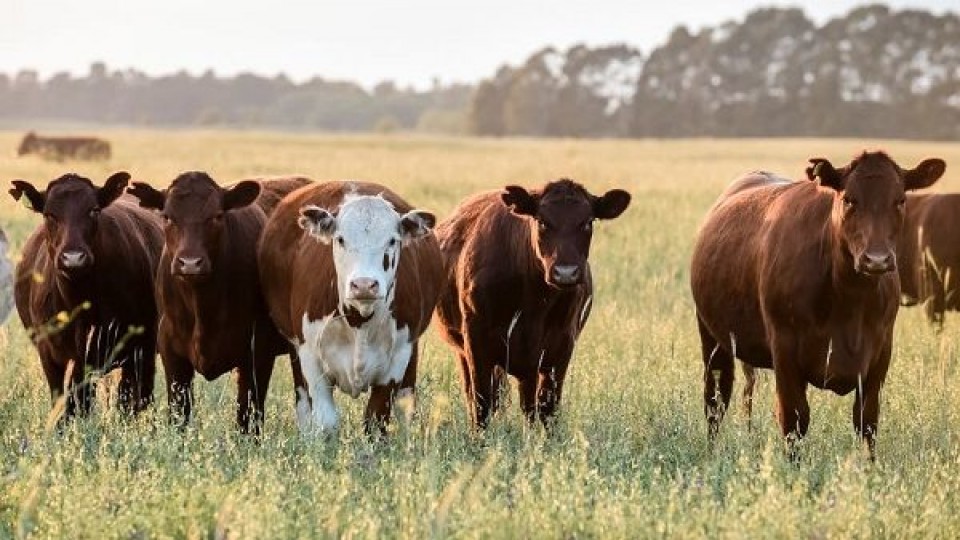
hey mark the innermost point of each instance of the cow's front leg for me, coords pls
(324, 416)
(866, 404)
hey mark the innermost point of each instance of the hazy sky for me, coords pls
(409, 41)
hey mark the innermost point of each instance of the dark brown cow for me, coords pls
(59, 148)
(351, 274)
(800, 277)
(212, 315)
(95, 248)
(929, 254)
(518, 289)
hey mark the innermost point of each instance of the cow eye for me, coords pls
(94, 212)
(848, 203)
(392, 242)
(340, 241)
(901, 203)
(541, 225)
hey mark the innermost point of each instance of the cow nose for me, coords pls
(364, 288)
(566, 274)
(73, 259)
(878, 263)
(190, 265)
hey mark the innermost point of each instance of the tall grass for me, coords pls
(629, 456)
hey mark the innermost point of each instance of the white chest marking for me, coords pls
(333, 354)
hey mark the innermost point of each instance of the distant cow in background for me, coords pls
(6, 279)
(60, 148)
(929, 254)
(351, 273)
(212, 314)
(518, 289)
(85, 279)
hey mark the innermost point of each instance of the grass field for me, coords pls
(629, 456)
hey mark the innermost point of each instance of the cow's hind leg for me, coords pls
(749, 384)
(137, 375)
(253, 381)
(718, 374)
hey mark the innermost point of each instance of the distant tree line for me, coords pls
(182, 99)
(873, 72)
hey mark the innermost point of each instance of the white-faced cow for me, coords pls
(351, 274)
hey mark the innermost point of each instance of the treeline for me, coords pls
(873, 72)
(181, 99)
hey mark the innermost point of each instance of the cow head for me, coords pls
(367, 235)
(869, 204)
(71, 208)
(560, 217)
(193, 209)
(28, 144)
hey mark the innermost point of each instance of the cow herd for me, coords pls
(801, 277)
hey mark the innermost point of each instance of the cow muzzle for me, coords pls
(74, 260)
(877, 263)
(191, 266)
(565, 275)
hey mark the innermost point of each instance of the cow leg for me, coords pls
(793, 411)
(718, 373)
(466, 379)
(54, 372)
(323, 411)
(253, 381)
(750, 382)
(935, 305)
(377, 415)
(301, 394)
(550, 391)
(179, 374)
(528, 385)
(866, 403)
(137, 376)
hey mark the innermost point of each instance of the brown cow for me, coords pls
(212, 315)
(801, 277)
(96, 250)
(519, 289)
(60, 148)
(351, 274)
(929, 255)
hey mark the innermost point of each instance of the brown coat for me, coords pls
(300, 283)
(212, 315)
(799, 277)
(96, 248)
(929, 254)
(518, 289)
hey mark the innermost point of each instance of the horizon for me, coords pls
(226, 49)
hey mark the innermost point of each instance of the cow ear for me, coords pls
(318, 222)
(925, 174)
(416, 224)
(520, 201)
(34, 199)
(241, 195)
(112, 188)
(611, 205)
(148, 196)
(829, 177)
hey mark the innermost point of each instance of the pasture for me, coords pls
(629, 456)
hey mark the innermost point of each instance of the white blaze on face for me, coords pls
(367, 235)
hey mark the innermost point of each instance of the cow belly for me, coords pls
(335, 355)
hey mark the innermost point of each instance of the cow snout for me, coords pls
(878, 263)
(364, 289)
(74, 259)
(191, 266)
(565, 274)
